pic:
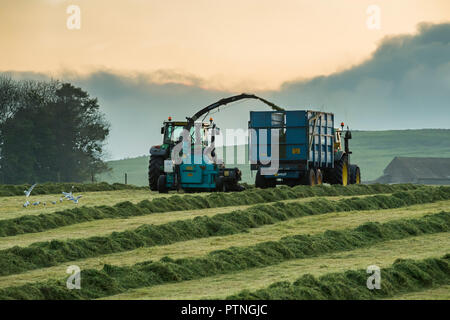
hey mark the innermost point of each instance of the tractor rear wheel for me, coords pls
(161, 185)
(154, 171)
(340, 173)
(355, 174)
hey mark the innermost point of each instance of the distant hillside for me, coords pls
(372, 151)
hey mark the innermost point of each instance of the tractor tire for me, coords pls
(220, 185)
(155, 171)
(355, 174)
(340, 173)
(162, 187)
(311, 178)
(319, 177)
(260, 181)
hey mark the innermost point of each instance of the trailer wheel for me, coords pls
(162, 187)
(154, 171)
(319, 177)
(355, 174)
(311, 178)
(260, 181)
(340, 173)
(220, 185)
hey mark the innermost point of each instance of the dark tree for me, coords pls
(50, 132)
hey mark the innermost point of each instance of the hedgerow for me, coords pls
(42, 222)
(114, 279)
(7, 190)
(402, 277)
(45, 254)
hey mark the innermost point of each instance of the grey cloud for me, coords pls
(404, 84)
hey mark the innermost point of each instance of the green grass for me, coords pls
(194, 248)
(7, 190)
(372, 151)
(45, 254)
(224, 285)
(402, 276)
(12, 207)
(106, 226)
(439, 293)
(42, 222)
(113, 279)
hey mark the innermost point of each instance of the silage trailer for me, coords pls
(310, 149)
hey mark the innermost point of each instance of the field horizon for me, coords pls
(372, 151)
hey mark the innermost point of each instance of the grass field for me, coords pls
(372, 151)
(248, 246)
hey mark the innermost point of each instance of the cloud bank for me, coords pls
(405, 84)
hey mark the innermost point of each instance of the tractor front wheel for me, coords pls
(355, 174)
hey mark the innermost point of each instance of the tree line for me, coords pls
(49, 131)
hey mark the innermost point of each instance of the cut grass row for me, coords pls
(7, 190)
(113, 279)
(12, 207)
(107, 226)
(45, 254)
(315, 224)
(403, 276)
(42, 222)
(221, 286)
(439, 293)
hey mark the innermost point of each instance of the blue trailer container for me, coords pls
(306, 144)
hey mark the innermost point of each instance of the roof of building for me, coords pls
(419, 168)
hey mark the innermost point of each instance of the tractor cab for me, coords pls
(172, 131)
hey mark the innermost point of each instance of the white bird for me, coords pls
(67, 195)
(60, 199)
(75, 200)
(28, 192)
(26, 204)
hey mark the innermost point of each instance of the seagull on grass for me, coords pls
(75, 200)
(68, 195)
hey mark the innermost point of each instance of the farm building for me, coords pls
(417, 170)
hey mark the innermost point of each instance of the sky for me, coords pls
(225, 44)
(147, 59)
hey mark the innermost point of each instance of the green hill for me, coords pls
(372, 151)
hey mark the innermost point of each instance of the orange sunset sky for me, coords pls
(229, 44)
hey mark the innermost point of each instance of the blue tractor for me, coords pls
(310, 149)
(194, 174)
